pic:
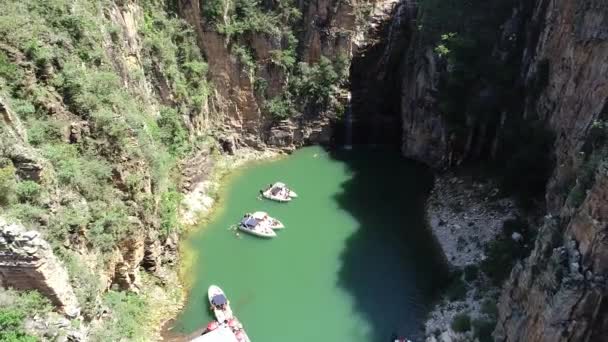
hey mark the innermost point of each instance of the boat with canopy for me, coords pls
(260, 224)
(279, 192)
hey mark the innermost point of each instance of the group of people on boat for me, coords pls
(278, 192)
(260, 223)
(225, 327)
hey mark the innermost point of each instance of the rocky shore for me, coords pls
(465, 215)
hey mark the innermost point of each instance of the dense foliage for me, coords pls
(67, 72)
(312, 87)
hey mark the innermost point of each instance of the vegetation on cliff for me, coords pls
(308, 88)
(104, 116)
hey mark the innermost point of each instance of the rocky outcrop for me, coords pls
(573, 45)
(425, 133)
(27, 262)
(465, 216)
(559, 293)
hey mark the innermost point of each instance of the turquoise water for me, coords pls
(354, 263)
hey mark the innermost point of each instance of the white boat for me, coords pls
(219, 303)
(259, 226)
(279, 192)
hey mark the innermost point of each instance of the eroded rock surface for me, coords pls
(27, 262)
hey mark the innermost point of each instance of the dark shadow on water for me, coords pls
(392, 264)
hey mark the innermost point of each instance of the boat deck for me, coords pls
(221, 334)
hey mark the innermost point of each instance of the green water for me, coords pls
(354, 263)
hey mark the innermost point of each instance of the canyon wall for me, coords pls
(561, 47)
(559, 293)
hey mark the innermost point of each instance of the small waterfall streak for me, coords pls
(348, 128)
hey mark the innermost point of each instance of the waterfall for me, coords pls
(348, 127)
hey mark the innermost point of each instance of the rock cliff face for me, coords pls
(559, 294)
(327, 28)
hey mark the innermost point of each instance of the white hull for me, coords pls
(260, 224)
(220, 315)
(281, 194)
(261, 231)
(270, 196)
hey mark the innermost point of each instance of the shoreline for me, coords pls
(465, 216)
(199, 205)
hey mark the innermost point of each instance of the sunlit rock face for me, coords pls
(27, 262)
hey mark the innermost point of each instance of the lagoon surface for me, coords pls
(355, 262)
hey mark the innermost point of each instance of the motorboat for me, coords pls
(260, 224)
(279, 192)
(219, 304)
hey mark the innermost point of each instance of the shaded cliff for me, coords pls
(521, 92)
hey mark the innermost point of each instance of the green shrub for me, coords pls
(128, 311)
(457, 289)
(170, 45)
(14, 308)
(109, 225)
(7, 183)
(38, 53)
(28, 191)
(586, 174)
(245, 57)
(22, 108)
(470, 273)
(488, 307)
(461, 323)
(43, 131)
(27, 213)
(483, 329)
(172, 131)
(89, 175)
(67, 220)
(11, 327)
(169, 207)
(86, 283)
(280, 107)
(286, 59)
(8, 70)
(503, 253)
